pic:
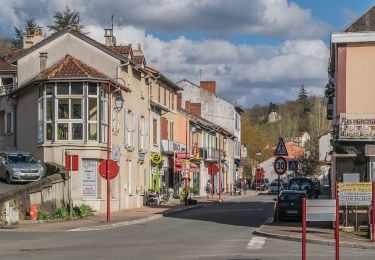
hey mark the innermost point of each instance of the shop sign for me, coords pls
(89, 180)
(355, 193)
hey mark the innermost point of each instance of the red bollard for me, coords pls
(33, 212)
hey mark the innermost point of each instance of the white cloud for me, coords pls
(220, 17)
(242, 71)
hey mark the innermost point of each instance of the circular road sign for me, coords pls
(112, 169)
(280, 165)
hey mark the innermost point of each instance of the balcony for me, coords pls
(169, 147)
(210, 154)
(6, 89)
(355, 127)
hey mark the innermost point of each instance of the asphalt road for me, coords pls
(221, 231)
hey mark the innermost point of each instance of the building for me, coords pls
(350, 99)
(202, 99)
(273, 117)
(55, 101)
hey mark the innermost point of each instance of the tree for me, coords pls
(5, 45)
(309, 161)
(304, 108)
(63, 19)
(30, 24)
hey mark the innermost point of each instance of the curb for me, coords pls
(311, 241)
(137, 221)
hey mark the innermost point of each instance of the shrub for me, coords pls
(82, 211)
(61, 213)
(42, 215)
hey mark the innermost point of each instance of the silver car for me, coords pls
(20, 167)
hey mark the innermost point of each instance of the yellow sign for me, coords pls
(355, 187)
(156, 158)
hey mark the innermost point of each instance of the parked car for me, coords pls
(20, 167)
(304, 184)
(273, 187)
(290, 205)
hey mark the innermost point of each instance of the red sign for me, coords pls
(74, 159)
(179, 159)
(112, 169)
(213, 169)
(280, 165)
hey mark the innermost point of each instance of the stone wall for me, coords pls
(48, 193)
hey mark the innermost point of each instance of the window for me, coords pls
(71, 111)
(9, 123)
(154, 131)
(237, 121)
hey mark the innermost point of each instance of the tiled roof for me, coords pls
(70, 68)
(122, 50)
(139, 59)
(12, 53)
(6, 66)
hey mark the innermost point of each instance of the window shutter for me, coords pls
(126, 128)
(146, 139)
(12, 122)
(140, 133)
(134, 129)
(164, 128)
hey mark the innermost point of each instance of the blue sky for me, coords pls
(258, 51)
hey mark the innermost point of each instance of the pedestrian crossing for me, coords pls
(256, 243)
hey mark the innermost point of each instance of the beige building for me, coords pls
(60, 104)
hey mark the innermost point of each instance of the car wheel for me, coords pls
(8, 180)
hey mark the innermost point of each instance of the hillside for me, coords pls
(304, 114)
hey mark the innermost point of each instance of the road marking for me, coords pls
(256, 243)
(268, 221)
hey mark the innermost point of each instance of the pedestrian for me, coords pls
(208, 188)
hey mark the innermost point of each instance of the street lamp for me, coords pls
(119, 101)
(110, 83)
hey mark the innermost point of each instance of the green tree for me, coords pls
(30, 24)
(65, 18)
(309, 161)
(304, 109)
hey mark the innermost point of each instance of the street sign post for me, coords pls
(112, 169)
(281, 149)
(280, 165)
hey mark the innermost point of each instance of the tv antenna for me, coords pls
(112, 27)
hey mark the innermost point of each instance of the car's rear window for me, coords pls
(291, 197)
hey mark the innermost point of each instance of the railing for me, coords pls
(169, 147)
(355, 126)
(210, 154)
(6, 89)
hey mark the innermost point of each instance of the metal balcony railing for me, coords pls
(7, 89)
(169, 147)
(350, 126)
(210, 154)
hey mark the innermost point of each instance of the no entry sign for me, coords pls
(280, 165)
(112, 169)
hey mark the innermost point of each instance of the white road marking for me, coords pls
(256, 243)
(268, 221)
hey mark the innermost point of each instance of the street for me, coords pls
(221, 231)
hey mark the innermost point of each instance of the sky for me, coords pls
(257, 51)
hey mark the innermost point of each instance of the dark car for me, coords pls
(304, 184)
(290, 205)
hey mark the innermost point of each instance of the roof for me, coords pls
(364, 23)
(12, 53)
(6, 66)
(139, 59)
(124, 50)
(162, 77)
(70, 68)
(205, 123)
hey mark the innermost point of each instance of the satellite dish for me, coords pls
(114, 40)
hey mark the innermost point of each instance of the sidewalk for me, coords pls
(316, 233)
(123, 217)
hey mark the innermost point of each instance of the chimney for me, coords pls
(139, 51)
(179, 100)
(32, 36)
(74, 27)
(43, 60)
(194, 108)
(110, 40)
(209, 85)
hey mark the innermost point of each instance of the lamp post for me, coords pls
(109, 107)
(186, 158)
(258, 154)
